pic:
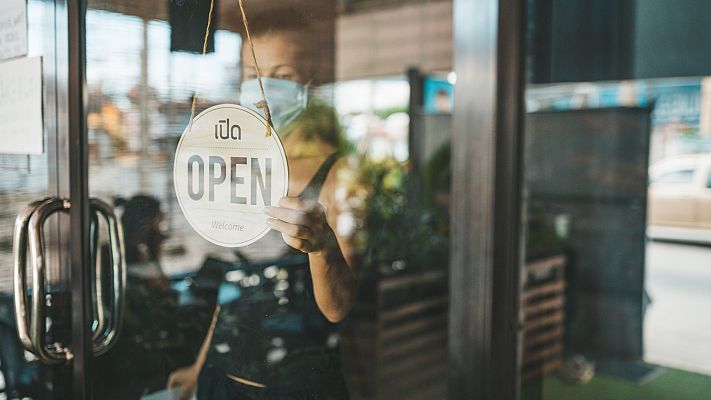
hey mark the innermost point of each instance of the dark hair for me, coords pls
(139, 215)
(312, 27)
(287, 15)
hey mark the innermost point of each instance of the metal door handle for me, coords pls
(107, 331)
(100, 317)
(32, 326)
(38, 319)
(20, 273)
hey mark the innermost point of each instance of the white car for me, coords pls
(679, 205)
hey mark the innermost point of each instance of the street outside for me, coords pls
(677, 330)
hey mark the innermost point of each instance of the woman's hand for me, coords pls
(186, 379)
(302, 224)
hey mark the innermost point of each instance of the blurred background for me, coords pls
(616, 287)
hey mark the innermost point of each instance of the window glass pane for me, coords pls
(346, 299)
(615, 285)
(26, 179)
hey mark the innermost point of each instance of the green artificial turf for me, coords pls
(670, 385)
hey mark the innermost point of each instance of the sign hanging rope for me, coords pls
(263, 105)
(204, 50)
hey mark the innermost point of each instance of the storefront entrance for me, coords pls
(144, 266)
(289, 198)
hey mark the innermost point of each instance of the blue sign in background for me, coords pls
(435, 91)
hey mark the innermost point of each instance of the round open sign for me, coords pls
(226, 171)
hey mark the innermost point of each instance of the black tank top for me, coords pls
(273, 337)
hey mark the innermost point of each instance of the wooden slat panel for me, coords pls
(555, 303)
(553, 318)
(433, 339)
(412, 280)
(544, 264)
(396, 389)
(435, 356)
(382, 42)
(533, 340)
(543, 353)
(432, 322)
(545, 289)
(413, 308)
(229, 16)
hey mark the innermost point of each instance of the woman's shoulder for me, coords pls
(343, 175)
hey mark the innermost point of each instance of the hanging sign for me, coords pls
(13, 28)
(226, 171)
(21, 128)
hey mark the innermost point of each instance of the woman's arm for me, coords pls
(304, 226)
(334, 279)
(308, 226)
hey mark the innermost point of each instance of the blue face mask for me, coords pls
(287, 99)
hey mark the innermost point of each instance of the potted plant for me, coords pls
(394, 342)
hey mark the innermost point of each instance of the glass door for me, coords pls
(259, 203)
(35, 294)
(615, 280)
(144, 66)
(308, 260)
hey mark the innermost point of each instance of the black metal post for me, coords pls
(485, 321)
(79, 252)
(414, 110)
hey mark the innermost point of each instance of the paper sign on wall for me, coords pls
(226, 171)
(21, 106)
(13, 28)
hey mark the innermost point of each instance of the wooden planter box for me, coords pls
(395, 342)
(543, 302)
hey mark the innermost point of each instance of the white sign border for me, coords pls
(275, 136)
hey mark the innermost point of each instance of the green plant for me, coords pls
(542, 240)
(400, 230)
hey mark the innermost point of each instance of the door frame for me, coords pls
(78, 168)
(486, 232)
(56, 101)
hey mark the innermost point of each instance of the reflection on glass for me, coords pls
(616, 183)
(23, 180)
(346, 297)
(278, 335)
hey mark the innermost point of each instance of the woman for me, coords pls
(283, 348)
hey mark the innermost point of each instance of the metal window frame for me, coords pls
(486, 229)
